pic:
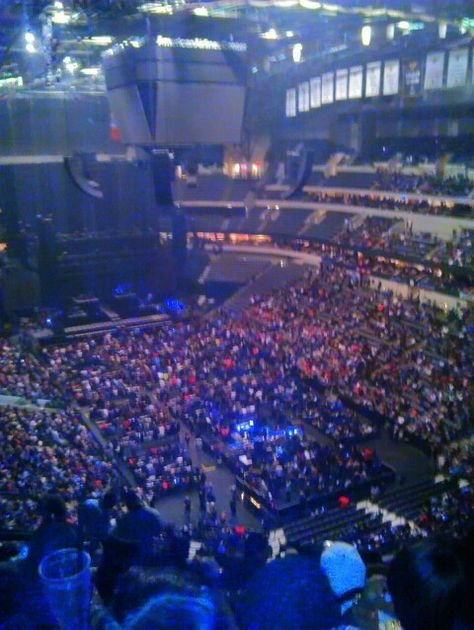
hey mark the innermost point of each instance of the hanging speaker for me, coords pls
(300, 168)
(75, 168)
(163, 175)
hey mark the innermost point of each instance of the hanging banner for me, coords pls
(341, 84)
(391, 77)
(434, 70)
(327, 88)
(372, 78)
(355, 82)
(457, 67)
(315, 92)
(472, 66)
(303, 97)
(290, 109)
(412, 77)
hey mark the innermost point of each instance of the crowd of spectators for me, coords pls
(455, 185)
(405, 363)
(293, 468)
(161, 469)
(394, 358)
(453, 511)
(46, 451)
(364, 265)
(459, 252)
(371, 234)
(399, 203)
(215, 576)
(336, 420)
(134, 421)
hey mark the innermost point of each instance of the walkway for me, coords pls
(172, 507)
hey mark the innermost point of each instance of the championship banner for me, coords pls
(412, 78)
(372, 78)
(434, 71)
(327, 88)
(290, 109)
(391, 77)
(355, 82)
(303, 97)
(341, 84)
(472, 66)
(315, 92)
(457, 67)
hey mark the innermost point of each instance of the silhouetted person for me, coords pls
(431, 584)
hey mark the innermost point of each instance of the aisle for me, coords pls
(406, 459)
(172, 508)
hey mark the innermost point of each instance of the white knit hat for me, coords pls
(342, 565)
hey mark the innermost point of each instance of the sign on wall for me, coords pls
(457, 67)
(391, 77)
(290, 108)
(315, 92)
(372, 78)
(355, 82)
(327, 88)
(341, 84)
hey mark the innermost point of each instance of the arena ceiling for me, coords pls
(43, 44)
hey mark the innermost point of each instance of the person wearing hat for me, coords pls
(363, 602)
(345, 571)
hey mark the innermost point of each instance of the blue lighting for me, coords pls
(246, 426)
(122, 289)
(175, 306)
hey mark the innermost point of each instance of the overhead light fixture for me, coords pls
(156, 7)
(289, 34)
(70, 65)
(91, 72)
(297, 52)
(270, 34)
(11, 82)
(60, 17)
(29, 37)
(100, 40)
(30, 47)
(59, 6)
(366, 35)
(403, 25)
(201, 12)
(135, 43)
(310, 4)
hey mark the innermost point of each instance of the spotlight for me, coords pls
(270, 34)
(92, 72)
(29, 37)
(30, 48)
(297, 52)
(366, 35)
(70, 65)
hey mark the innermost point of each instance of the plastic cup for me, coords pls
(66, 579)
